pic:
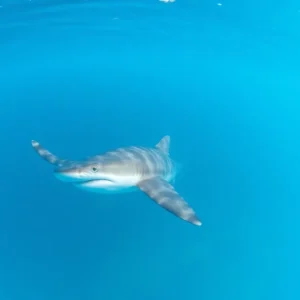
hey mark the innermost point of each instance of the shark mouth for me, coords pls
(72, 175)
(83, 182)
(94, 184)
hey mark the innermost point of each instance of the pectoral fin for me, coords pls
(165, 195)
(46, 155)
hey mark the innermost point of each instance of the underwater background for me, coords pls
(84, 77)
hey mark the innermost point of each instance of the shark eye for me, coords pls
(94, 169)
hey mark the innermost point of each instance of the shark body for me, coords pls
(150, 170)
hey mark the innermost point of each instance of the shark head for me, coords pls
(88, 176)
(97, 176)
(79, 172)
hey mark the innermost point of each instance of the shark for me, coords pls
(147, 169)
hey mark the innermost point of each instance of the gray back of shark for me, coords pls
(149, 169)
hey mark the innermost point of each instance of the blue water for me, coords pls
(84, 77)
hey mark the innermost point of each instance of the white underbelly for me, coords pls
(115, 185)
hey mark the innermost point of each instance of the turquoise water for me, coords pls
(84, 77)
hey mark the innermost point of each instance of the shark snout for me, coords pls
(69, 175)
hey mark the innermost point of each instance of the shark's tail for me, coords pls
(46, 155)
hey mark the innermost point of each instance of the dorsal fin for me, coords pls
(164, 144)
